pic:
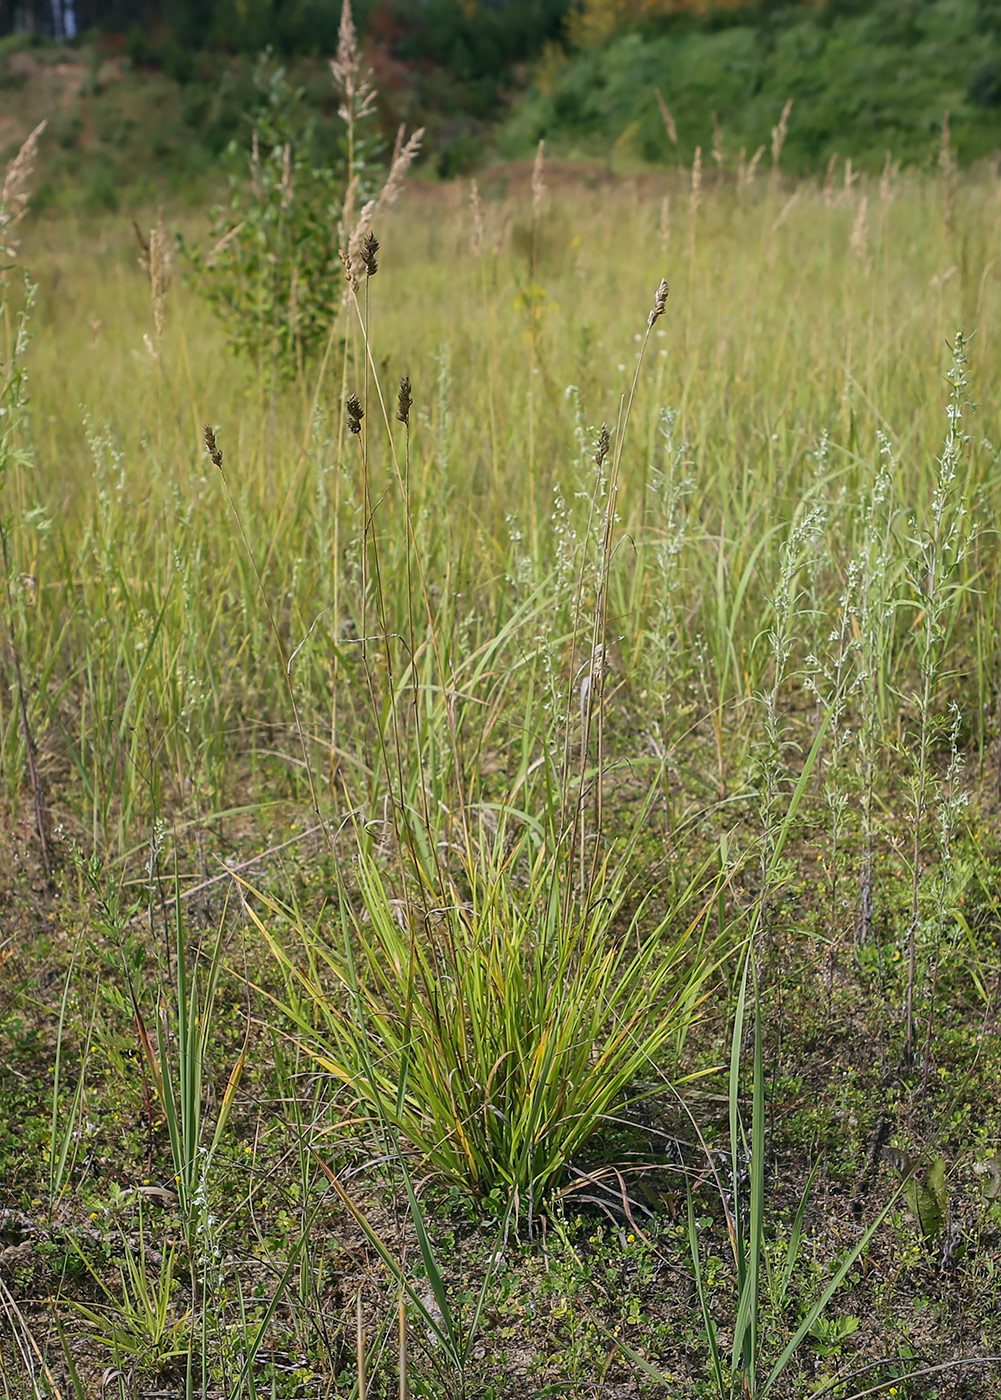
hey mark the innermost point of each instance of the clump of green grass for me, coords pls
(495, 1035)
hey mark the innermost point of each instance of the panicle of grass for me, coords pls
(476, 230)
(211, 446)
(352, 256)
(717, 142)
(603, 443)
(353, 253)
(538, 179)
(779, 132)
(255, 163)
(369, 254)
(286, 182)
(695, 191)
(947, 163)
(949, 170)
(16, 192)
(851, 178)
(752, 168)
(859, 239)
(667, 118)
(358, 94)
(828, 186)
(665, 222)
(888, 180)
(787, 208)
(656, 311)
(404, 401)
(404, 155)
(159, 275)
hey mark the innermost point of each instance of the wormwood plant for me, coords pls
(941, 542)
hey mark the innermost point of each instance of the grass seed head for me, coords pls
(887, 179)
(538, 179)
(211, 447)
(159, 273)
(828, 187)
(667, 118)
(695, 196)
(143, 242)
(404, 155)
(369, 252)
(476, 236)
(779, 132)
(717, 141)
(859, 240)
(355, 412)
(350, 268)
(16, 189)
(346, 69)
(404, 400)
(659, 303)
(946, 157)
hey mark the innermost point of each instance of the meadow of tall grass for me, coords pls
(482, 778)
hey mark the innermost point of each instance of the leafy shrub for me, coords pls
(271, 270)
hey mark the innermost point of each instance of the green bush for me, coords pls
(863, 79)
(271, 268)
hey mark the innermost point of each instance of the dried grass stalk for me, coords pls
(946, 157)
(665, 221)
(752, 169)
(159, 274)
(859, 240)
(538, 179)
(353, 256)
(404, 155)
(477, 233)
(717, 142)
(667, 118)
(779, 132)
(828, 189)
(888, 179)
(788, 207)
(695, 195)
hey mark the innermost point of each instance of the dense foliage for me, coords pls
(175, 82)
(864, 78)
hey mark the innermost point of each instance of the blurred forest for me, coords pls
(626, 82)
